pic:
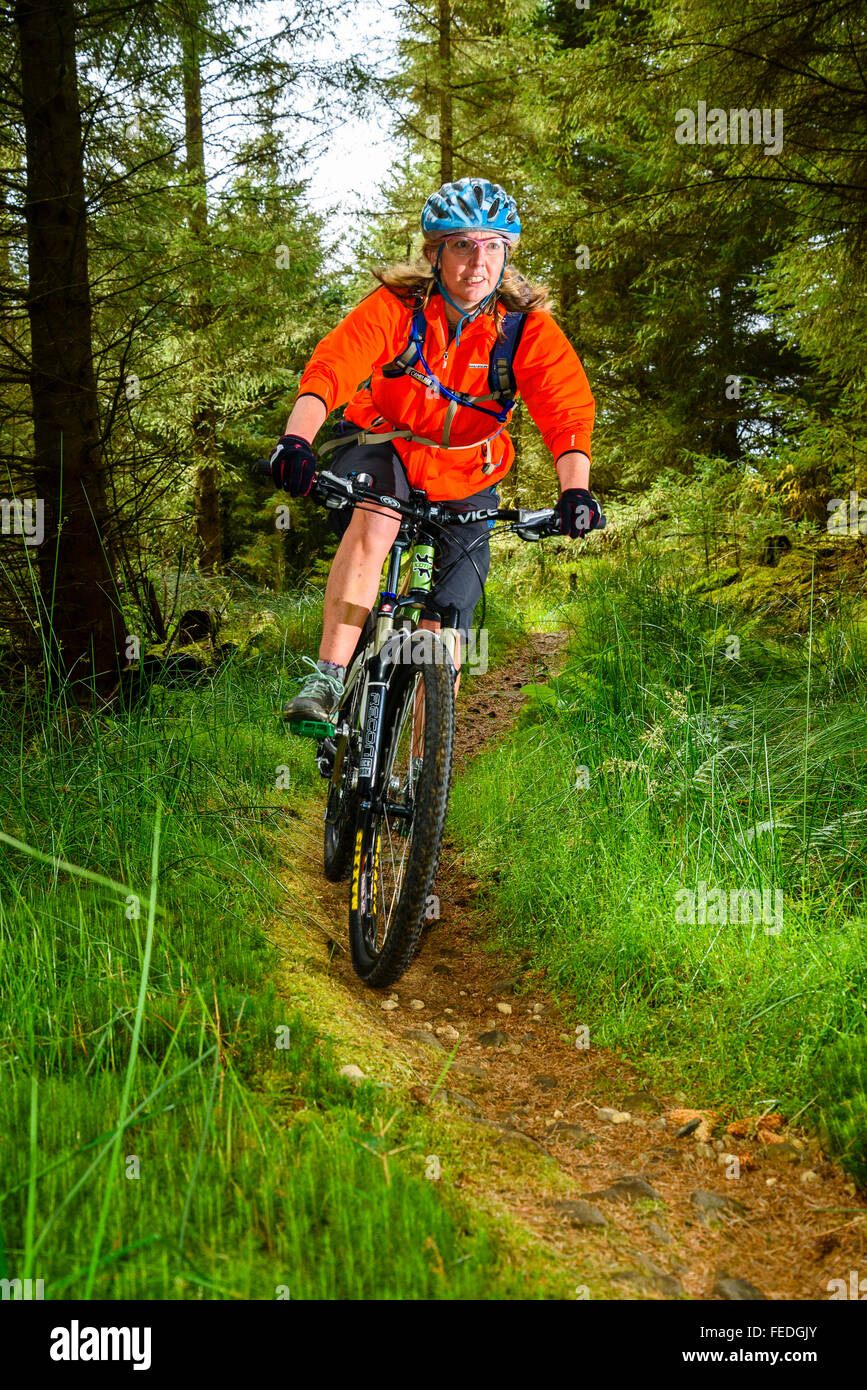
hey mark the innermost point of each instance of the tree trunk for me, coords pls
(446, 117)
(204, 422)
(81, 620)
(724, 440)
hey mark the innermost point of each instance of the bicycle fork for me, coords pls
(373, 670)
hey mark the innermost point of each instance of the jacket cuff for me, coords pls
(318, 383)
(567, 441)
(318, 398)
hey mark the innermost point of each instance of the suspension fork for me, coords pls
(373, 696)
(450, 638)
(372, 713)
(422, 582)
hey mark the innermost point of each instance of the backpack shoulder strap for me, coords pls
(501, 373)
(410, 354)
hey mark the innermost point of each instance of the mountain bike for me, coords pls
(388, 755)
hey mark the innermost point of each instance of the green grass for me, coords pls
(232, 1183)
(656, 763)
(157, 1139)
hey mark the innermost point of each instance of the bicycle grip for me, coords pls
(261, 469)
(600, 526)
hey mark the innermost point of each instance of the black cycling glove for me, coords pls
(577, 512)
(293, 465)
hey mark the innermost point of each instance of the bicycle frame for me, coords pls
(371, 807)
(374, 661)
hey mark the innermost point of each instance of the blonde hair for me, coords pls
(414, 279)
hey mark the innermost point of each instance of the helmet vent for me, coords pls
(468, 203)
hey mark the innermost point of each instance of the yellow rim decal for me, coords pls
(375, 874)
(356, 873)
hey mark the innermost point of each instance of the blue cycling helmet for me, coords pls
(468, 203)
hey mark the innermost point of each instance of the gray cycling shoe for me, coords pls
(314, 709)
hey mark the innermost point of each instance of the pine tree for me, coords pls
(80, 618)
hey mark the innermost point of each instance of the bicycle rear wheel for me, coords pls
(397, 847)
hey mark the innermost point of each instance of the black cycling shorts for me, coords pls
(458, 577)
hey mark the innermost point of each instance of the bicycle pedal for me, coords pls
(311, 728)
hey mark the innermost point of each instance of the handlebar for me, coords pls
(337, 493)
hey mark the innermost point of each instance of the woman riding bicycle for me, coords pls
(422, 343)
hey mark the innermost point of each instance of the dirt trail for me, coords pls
(530, 1105)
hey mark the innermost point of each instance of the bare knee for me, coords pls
(376, 531)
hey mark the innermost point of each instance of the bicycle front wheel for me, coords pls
(397, 846)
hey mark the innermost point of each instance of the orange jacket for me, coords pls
(547, 371)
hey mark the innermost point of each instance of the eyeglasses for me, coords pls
(492, 248)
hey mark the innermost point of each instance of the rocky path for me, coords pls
(640, 1194)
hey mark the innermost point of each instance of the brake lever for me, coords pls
(326, 485)
(531, 526)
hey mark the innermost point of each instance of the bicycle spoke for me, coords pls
(402, 748)
(400, 836)
(398, 873)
